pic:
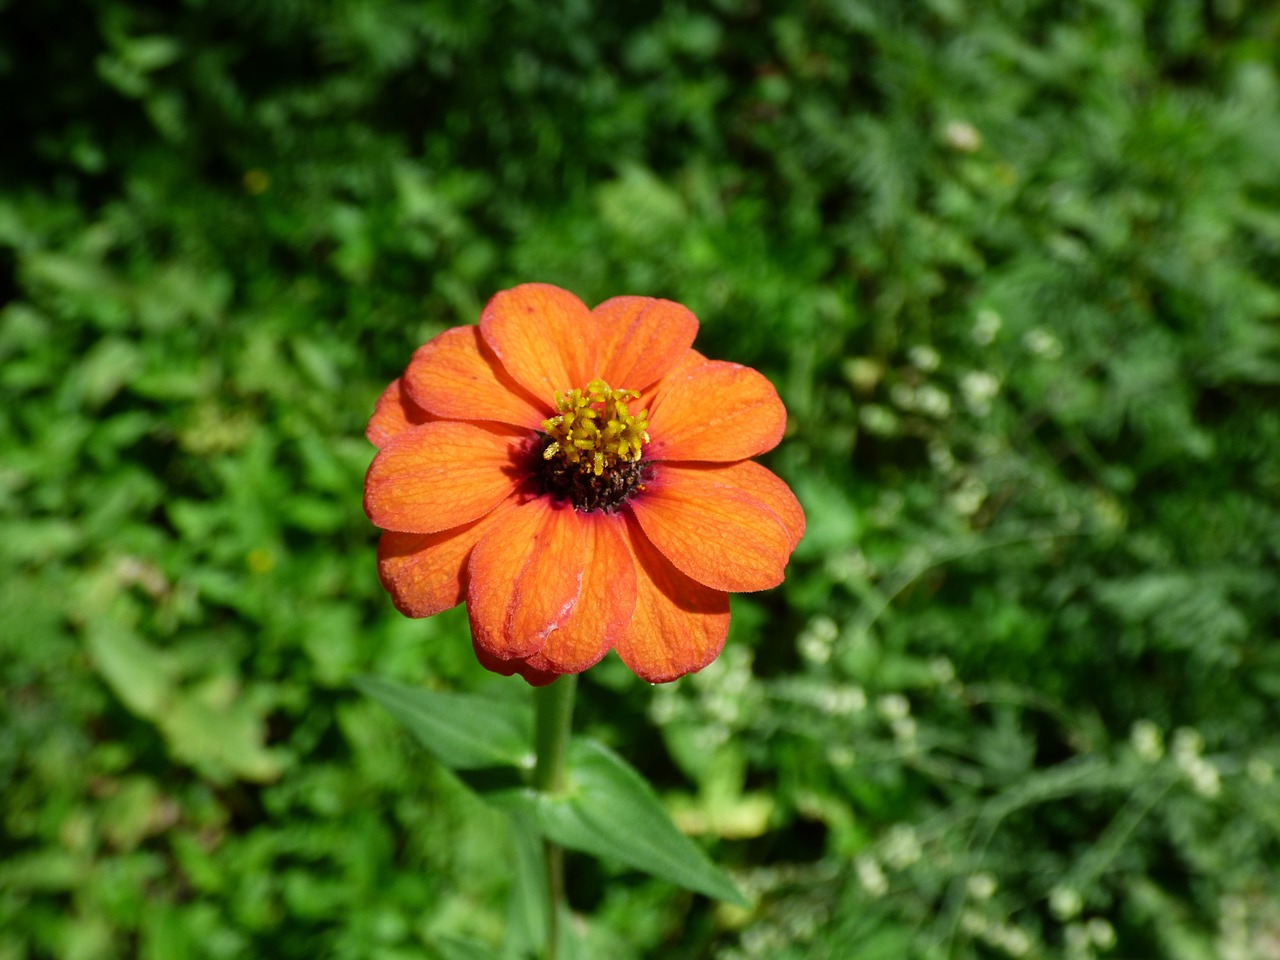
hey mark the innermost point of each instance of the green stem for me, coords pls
(553, 719)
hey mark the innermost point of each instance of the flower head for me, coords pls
(582, 479)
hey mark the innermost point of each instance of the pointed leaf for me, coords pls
(462, 731)
(610, 811)
(527, 906)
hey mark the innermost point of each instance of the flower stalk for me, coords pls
(553, 721)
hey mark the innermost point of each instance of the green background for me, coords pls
(1015, 269)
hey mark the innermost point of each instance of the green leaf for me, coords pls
(456, 948)
(213, 728)
(527, 906)
(462, 731)
(139, 674)
(610, 811)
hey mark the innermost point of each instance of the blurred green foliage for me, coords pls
(1015, 268)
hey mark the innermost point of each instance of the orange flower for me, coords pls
(581, 478)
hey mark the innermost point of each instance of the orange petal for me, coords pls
(441, 475)
(531, 675)
(554, 582)
(679, 625)
(393, 414)
(715, 532)
(542, 336)
(639, 340)
(715, 411)
(762, 484)
(605, 601)
(495, 565)
(425, 573)
(455, 375)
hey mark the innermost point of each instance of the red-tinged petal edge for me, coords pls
(507, 668)
(441, 475)
(715, 411)
(553, 582)
(393, 414)
(456, 376)
(715, 532)
(640, 339)
(542, 335)
(425, 573)
(679, 625)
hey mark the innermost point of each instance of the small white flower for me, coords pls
(863, 373)
(903, 396)
(979, 388)
(893, 706)
(1064, 903)
(1042, 343)
(901, 847)
(932, 401)
(904, 728)
(985, 327)
(1203, 776)
(878, 420)
(962, 135)
(850, 699)
(981, 886)
(848, 566)
(1187, 743)
(1101, 932)
(941, 457)
(871, 876)
(942, 669)
(968, 499)
(1014, 940)
(813, 647)
(974, 923)
(1147, 740)
(1077, 938)
(841, 755)
(924, 357)
(825, 627)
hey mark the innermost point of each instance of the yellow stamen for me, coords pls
(594, 430)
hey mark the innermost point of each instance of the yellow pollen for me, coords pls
(594, 430)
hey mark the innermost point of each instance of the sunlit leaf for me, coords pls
(610, 811)
(462, 731)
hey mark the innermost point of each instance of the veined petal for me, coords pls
(716, 533)
(715, 411)
(531, 675)
(761, 483)
(640, 339)
(496, 564)
(425, 573)
(606, 598)
(393, 414)
(679, 625)
(649, 395)
(554, 582)
(441, 475)
(455, 375)
(541, 335)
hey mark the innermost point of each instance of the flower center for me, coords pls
(592, 452)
